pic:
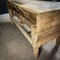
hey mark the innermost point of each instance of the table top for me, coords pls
(39, 6)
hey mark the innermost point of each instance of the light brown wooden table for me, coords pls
(38, 21)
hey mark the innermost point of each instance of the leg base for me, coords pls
(37, 52)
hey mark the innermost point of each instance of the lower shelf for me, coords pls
(23, 30)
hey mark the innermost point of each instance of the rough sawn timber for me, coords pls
(42, 19)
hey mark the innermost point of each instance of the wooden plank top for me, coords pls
(40, 6)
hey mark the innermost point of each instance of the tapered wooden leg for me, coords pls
(11, 20)
(36, 51)
(11, 15)
(58, 41)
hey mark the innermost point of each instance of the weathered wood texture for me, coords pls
(48, 20)
(42, 18)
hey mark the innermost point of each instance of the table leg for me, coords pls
(36, 51)
(11, 15)
(58, 41)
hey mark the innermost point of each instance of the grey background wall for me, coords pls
(3, 7)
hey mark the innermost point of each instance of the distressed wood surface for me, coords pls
(42, 18)
(40, 6)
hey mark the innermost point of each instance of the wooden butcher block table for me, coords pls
(39, 21)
